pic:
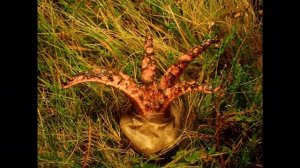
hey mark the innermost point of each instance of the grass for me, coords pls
(78, 127)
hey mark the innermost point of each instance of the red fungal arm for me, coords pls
(148, 62)
(111, 78)
(171, 76)
(180, 89)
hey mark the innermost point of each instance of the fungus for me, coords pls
(153, 126)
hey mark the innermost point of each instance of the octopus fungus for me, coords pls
(152, 126)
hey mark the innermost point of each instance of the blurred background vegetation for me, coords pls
(78, 127)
